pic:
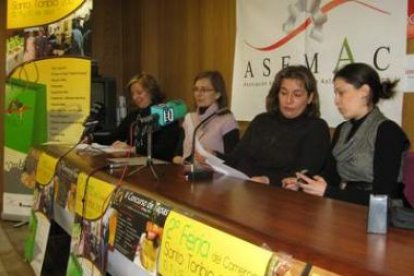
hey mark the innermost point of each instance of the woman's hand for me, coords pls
(122, 145)
(290, 183)
(86, 140)
(314, 186)
(261, 179)
(200, 159)
(178, 160)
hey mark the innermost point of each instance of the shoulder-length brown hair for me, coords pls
(150, 84)
(302, 74)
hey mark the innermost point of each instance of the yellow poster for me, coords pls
(24, 13)
(92, 196)
(193, 248)
(45, 168)
(67, 85)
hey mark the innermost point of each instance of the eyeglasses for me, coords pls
(202, 90)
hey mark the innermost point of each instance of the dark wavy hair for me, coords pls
(150, 84)
(302, 74)
(359, 74)
(218, 83)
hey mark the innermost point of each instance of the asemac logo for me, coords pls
(317, 15)
(314, 16)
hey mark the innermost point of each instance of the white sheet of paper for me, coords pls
(218, 164)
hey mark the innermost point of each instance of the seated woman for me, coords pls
(218, 135)
(145, 92)
(367, 147)
(290, 136)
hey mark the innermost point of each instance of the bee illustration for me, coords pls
(16, 107)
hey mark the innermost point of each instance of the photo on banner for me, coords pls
(47, 86)
(136, 226)
(320, 35)
(89, 237)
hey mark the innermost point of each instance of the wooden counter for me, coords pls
(323, 232)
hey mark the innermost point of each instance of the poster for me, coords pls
(410, 48)
(322, 35)
(90, 232)
(41, 207)
(65, 198)
(47, 86)
(35, 245)
(136, 227)
(190, 247)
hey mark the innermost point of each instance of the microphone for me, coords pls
(201, 173)
(94, 118)
(165, 113)
(95, 115)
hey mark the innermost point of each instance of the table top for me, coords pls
(327, 233)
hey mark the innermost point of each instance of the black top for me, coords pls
(164, 140)
(277, 147)
(390, 143)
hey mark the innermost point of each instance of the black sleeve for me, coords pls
(315, 148)
(329, 172)
(165, 142)
(390, 144)
(353, 196)
(180, 143)
(230, 140)
(121, 133)
(240, 151)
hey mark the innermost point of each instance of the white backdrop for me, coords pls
(272, 34)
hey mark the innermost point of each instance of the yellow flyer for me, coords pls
(45, 168)
(193, 248)
(65, 81)
(92, 196)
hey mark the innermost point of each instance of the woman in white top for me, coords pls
(219, 132)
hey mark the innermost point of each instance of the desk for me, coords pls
(323, 232)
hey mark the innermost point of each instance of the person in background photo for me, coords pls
(218, 135)
(41, 44)
(29, 46)
(290, 136)
(77, 38)
(145, 92)
(367, 147)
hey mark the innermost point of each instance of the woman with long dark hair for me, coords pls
(290, 136)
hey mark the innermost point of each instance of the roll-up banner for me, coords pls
(47, 86)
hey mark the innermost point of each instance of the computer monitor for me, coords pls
(104, 91)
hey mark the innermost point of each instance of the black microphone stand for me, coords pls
(149, 163)
(197, 172)
(89, 128)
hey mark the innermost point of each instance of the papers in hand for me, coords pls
(218, 164)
